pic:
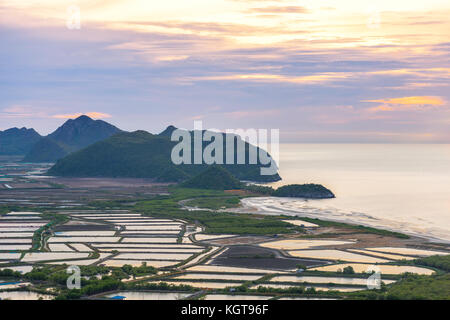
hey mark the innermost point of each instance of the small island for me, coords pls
(310, 191)
(218, 178)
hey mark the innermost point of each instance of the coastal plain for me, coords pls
(136, 239)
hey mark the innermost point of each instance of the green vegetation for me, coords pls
(439, 262)
(420, 288)
(295, 290)
(348, 270)
(127, 270)
(140, 154)
(215, 203)
(55, 219)
(415, 287)
(162, 286)
(56, 276)
(100, 279)
(225, 222)
(172, 174)
(311, 191)
(410, 287)
(340, 274)
(8, 273)
(261, 190)
(90, 271)
(39, 273)
(46, 149)
(17, 141)
(215, 178)
(4, 209)
(91, 287)
(215, 222)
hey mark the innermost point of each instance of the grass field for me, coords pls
(214, 222)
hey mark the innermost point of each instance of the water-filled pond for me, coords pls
(145, 295)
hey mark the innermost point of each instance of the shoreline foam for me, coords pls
(276, 206)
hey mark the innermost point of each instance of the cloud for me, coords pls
(95, 115)
(261, 77)
(22, 112)
(415, 103)
(417, 100)
(204, 28)
(168, 64)
(279, 9)
(16, 112)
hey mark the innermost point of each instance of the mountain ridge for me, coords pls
(73, 135)
(145, 155)
(17, 141)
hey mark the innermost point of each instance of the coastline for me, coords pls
(261, 205)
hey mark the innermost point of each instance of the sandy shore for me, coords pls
(274, 206)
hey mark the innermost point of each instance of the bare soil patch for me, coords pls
(257, 257)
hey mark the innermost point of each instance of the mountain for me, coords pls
(83, 131)
(215, 177)
(135, 154)
(141, 154)
(168, 131)
(46, 150)
(17, 141)
(73, 135)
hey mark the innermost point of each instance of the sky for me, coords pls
(319, 71)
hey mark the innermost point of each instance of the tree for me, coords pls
(348, 270)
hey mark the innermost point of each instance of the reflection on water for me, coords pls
(135, 295)
(208, 285)
(335, 255)
(325, 280)
(384, 269)
(23, 295)
(403, 187)
(218, 276)
(409, 251)
(234, 297)
(317, 288)
(302, 244)
(383, 255)
(210, 268)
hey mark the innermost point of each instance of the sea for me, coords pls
(399, 187)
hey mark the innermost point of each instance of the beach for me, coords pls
(398, 187)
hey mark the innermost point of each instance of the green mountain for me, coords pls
(17, 141)
(138, 155)
(249, 172)
(73, 135)
(144, 155)
(310, 191)
(168, 132)
(46, 150)
(215, 177)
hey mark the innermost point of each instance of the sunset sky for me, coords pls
(319, 70)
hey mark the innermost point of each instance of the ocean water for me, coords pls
(402, 187)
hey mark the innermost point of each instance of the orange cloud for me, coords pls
(406, 103)
(280, 9)
(417, 100)
(308, 79)
(95, 115)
